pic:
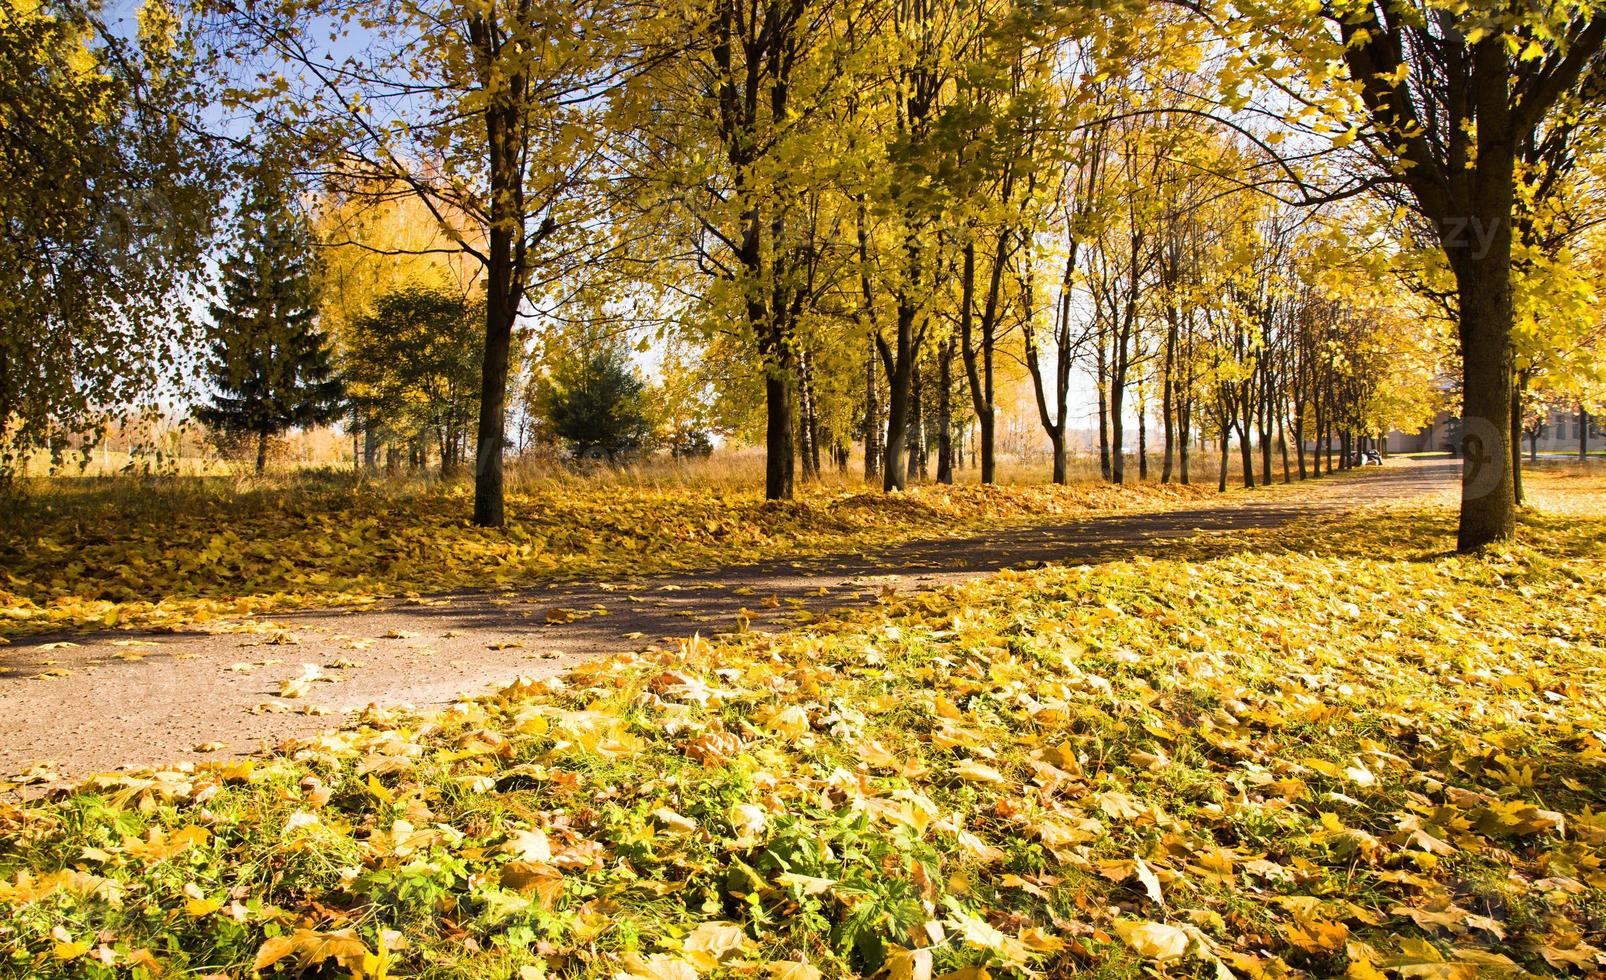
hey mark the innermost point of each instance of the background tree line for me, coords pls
(831, 222)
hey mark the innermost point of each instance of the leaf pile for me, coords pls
(1326, 751)
(104, 567)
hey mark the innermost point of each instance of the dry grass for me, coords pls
(1570, 488)
(1330, 749)
(171, 551)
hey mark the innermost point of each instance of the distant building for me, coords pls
(1560, 433)
(1434, 437)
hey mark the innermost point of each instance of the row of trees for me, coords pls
(1266, 223)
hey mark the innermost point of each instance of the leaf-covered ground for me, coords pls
(1326, 750)
(82, 558)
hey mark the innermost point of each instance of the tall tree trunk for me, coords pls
(1122, 357)
(1583, 433)
(980, 376)
(1226, 444)
(504, 288)
(1166, 391)
(1263, 416)
(1330, 423)
(945, 412)
(1143, 433)
(899, 367)
(1184, 436)
(1516, 439)
(872, 420)
(262, 451)
(1053, 424)
(1117, 432)
(779, 453)
(1488, 500)
(1102, 385)
(809, 422)
(1299, 438)
(500, 312)
(917, 424)
(1246, 453)
(370, 445)
(1483, 289)
(1316, 437)
(356, 440)
(899, 364)
(1282, 445)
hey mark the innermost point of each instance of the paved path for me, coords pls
(129, 699)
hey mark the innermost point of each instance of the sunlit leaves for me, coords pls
(1333, 750)
(314, 546)
(107, 198)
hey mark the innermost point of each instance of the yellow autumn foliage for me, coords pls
(1327, 749)
(99, 563)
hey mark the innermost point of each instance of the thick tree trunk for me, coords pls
(1488, 500)
(779, 402)
(502, 294)
(262, 451)
(370, 445)
(986, 450)
(500, 313)
(899, 368)
(894, 462)
(493, 401)
(1117, 434)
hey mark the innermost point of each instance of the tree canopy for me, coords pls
(106, 197)
(925, 227)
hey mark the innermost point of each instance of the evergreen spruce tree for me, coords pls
(593, 401)
(270, 364)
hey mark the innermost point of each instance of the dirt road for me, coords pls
(97, 702)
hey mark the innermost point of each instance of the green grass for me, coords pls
(1337, 749)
